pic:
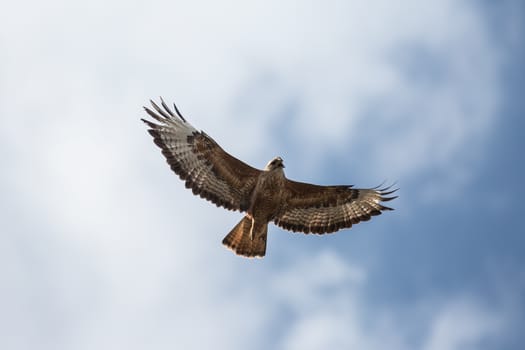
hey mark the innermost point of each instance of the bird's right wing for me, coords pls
(206, 168)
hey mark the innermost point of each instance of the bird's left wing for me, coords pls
(206, 168)
(318, 209)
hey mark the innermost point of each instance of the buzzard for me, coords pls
(264, 195)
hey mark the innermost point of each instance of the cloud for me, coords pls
(325, 294)
(424, 89)
(101, 247)
(462, 324)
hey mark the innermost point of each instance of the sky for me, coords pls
(102, 247)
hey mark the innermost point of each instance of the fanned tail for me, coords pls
(246, 240)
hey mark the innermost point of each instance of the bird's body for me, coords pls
(267, 196)
(264, 195)
(248, 237)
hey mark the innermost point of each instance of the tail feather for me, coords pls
(243, 242)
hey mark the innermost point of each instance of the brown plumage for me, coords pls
(265, 195)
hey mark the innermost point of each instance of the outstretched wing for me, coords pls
(325, 209)
(206, 168)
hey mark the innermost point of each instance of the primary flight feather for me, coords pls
(264, 195)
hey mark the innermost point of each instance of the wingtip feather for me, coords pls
(165, 106)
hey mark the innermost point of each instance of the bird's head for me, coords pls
(275, 163)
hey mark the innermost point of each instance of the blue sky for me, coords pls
(102, 247)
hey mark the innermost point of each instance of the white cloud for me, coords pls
(337, 318)
(346, 69)
(108, 250)
(461, 324)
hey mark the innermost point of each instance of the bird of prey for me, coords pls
(264, 195)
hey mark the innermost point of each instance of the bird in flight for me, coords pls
(263, 195)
